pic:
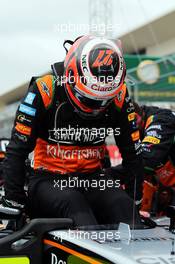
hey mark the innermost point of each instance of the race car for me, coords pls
(55, 241)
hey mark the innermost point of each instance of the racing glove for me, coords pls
(12, 204)
(14, 212)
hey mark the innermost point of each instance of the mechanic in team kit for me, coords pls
(65, 117)
(157, 132)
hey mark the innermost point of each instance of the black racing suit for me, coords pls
(42, 122)
(158, 151)
(158, 137)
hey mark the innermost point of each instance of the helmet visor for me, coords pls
(91, 103)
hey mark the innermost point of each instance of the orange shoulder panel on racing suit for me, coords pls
(119, 101)
(46, 88)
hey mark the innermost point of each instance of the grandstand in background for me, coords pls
(150, 57)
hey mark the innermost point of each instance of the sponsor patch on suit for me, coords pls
(27, 110)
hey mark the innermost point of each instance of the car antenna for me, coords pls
(134, 206)
(172, 251)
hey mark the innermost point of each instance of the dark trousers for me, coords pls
(86, 206)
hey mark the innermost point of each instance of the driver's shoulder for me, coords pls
(45, 87)
(120, 98)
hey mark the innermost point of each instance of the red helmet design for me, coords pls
(94, 72)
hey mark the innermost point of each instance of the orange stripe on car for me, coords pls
(72, 252)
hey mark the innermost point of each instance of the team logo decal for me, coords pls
(22, 138)
(135, 135)
(27, 110)
(23, 129)
(30, 98)
(131, 116)
(152, 140)
(149, 121)
(45, 89)
(23, 118)
(104, 58)
(120, 96)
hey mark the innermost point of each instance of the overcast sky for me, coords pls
(32, 31)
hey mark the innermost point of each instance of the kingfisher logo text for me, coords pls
(87, 153)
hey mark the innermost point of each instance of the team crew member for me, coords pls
(157, 129)
(65, 117)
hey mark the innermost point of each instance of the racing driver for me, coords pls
(62, 118)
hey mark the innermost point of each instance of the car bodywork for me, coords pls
(53, 241)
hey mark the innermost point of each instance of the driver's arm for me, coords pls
(23, 139)
(158, 140)
(129, 145)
